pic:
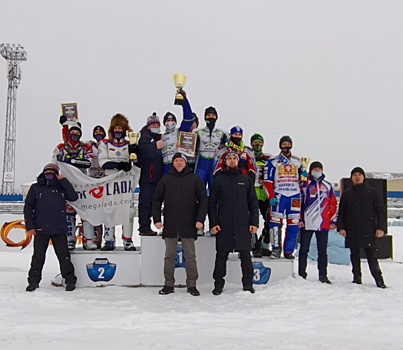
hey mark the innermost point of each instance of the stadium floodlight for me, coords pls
(14, 54)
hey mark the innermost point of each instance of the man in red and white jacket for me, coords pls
(318, 215)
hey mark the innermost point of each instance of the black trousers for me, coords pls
(372, 263)
(305, 237)
(145, 203)
(41, 243)
(220, 268)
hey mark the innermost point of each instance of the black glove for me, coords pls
(133, 148)
(62, 119)
(126, 166)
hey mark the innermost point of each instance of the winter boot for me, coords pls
(109, 245)
(217, 290)
(193, 291)
(32, 286)
(380, 283)
(148, 232)
(166, 290)
(249, 289)
(128, 245)
(70, 287)
(275, 254)
(324, 279)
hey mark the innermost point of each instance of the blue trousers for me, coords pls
(288, 207)
(204, 168)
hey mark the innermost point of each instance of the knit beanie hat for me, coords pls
(315, 164)
(357, 170)
(210, 110)
(168, 115)
(230, 153)
(152, 119)
(256, 137)
(285, 139)
(236, 129)
(75, 127)
(179, 155)
(51, 166)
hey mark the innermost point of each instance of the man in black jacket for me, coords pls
(361, 220)
(150, 156)
(234, 217)
(185, 208)
(45, 218)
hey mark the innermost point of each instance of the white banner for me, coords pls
(102, 201)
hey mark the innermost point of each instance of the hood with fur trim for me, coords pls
(119, 120)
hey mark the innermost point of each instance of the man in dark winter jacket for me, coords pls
(150, 148)
(185, 209)
(45, 218)
(361, 220)
(234, 217)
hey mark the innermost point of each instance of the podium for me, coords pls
(144, 267)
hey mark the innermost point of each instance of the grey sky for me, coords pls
(327, 73)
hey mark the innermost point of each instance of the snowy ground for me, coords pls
(290, 314)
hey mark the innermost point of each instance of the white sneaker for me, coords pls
(89, 245)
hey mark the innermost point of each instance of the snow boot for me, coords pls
(193, 291)
(289, 256)
(166, 290)
(32, 286)
(324, 279)
(70, 287)
(217, 290)
(249, 289)
(380, 283)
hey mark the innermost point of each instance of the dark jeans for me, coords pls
(220, 268)
(305, 240)
(145, 203)
(41, 243)
(372, 263)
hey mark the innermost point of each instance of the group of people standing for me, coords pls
(241, 180)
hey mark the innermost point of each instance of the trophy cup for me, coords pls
(133, 140)
(304, 164)
(179, 81)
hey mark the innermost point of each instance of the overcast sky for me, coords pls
(327, 73)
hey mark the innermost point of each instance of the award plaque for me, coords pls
(70, 110)
(187, 143)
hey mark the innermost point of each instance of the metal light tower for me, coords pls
(14, 54)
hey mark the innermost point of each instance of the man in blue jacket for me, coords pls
(45, 219)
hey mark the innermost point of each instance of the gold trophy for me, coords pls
(133, 140)
(304, 164)
(179, 81)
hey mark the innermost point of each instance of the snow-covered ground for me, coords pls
(289, 314)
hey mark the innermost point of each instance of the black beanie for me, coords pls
(98, 127)
(179, 155)
(210, 110)
(284, 139)
(357, 170)
(168, 115)
(256, 137)
(315, 164)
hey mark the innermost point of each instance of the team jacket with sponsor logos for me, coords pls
(171, 138)
(95, 169)
(281, 176)
(260, 160)
(80, 151)
(113, 151)
(246, 159)
(318, 204)
(209, 142)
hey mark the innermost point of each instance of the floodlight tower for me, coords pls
(14, 54)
